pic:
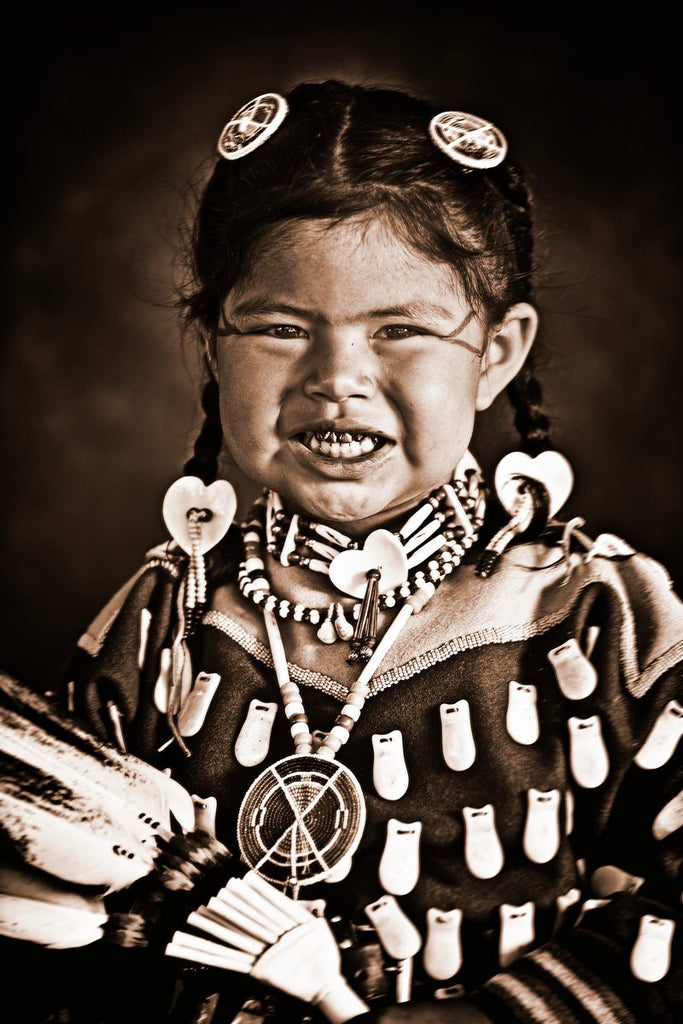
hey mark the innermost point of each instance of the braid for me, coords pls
(524, 392)
(204, 461)
(526, 397)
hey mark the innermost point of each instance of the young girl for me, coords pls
(412, 701)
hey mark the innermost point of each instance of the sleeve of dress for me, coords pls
(111, 679)
(617, 958)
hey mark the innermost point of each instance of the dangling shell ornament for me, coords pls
(550, 469)
(189, 499)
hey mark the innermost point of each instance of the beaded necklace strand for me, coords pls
(434, 538)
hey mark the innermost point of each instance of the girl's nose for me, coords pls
(339, 369)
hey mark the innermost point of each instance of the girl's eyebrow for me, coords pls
(416, 310)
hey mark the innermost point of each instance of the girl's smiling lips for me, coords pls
(339, 447)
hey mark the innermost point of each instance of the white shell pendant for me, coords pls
(651, 953)
(193, 711)
(576, 675)
(217, 502)
(587, 752)
(516, 931)
(382, 550)
(397, 933)
(399, 867)
(663, 739)
(521, 720)
(542, 829)
(251, 745)
(457, 741)
(669, 818)
(442, 957)
(483, 850)
(549, 468)
(389, 770)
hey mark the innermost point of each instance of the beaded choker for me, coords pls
(382, 574)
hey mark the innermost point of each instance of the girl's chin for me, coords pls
(358, 510)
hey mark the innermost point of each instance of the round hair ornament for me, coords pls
(468, 140)
(252, 125)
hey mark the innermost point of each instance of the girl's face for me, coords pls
(349, 371)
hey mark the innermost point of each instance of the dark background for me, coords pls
(107, 121)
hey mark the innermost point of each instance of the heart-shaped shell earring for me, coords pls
(198, 516)
(532, 491)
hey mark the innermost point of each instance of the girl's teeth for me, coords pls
(342, 445)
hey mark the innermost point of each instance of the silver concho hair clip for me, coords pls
(252, 125)
(468, 140)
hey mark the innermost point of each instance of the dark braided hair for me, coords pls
(204, 460)
(349, 150)
(524, 392)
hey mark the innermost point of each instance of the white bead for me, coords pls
(295, 707)
(253, 563)
(351, 712)
(340, 732)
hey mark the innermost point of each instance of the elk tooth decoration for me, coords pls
(400, 939)
(542, 830)
(389, 771)
(457, 741)
(659, 746)
(483, 850)
(669, 818)
(651, 953)
(587, 751)
(195, 707)
(576, 675)
(516, 931)
(399, 867)
(253, 741)
(442, 957)
(521, 719)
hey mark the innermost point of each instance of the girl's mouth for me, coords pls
(341, 444)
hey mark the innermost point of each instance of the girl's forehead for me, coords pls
(360, 254)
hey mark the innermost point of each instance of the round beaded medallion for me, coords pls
(299, 818)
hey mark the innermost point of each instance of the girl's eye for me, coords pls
(285, 331)
(395, 332)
